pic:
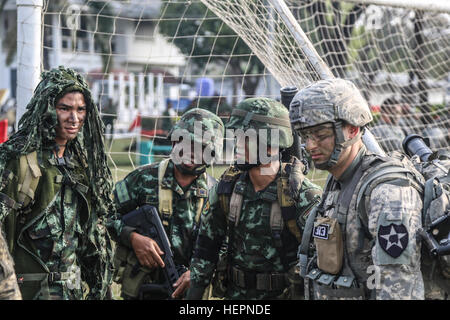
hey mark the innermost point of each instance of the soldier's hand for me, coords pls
(147, 251)
(182, 284)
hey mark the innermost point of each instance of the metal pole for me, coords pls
(318, 64)
(426, 5)
(302, 39)
(29, 51)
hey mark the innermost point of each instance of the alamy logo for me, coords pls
(206, 146)
(374, 280)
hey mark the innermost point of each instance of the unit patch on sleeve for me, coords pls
(393, 239)
(122, 192)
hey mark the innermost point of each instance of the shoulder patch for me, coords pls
(393, 239)
(122, 192)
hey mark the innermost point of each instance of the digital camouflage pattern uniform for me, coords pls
(380, 248)
(258, 261)
(56, 233)
(9, 290)
(141, 187)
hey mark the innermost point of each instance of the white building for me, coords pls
(135, 44)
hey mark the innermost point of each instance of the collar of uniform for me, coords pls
(269, 193)
(346, 177)
(169, 182)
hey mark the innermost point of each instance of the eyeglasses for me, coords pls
(317, 134)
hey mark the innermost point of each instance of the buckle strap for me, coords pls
(68, 180)
(51, 276)
(258, 281)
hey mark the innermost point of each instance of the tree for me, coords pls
(333, 28)
(102, 22)
(202, 36)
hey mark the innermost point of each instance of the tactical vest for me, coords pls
(165, 195)
(349, 282)
(231, 190)
(285, 231)
(28, 179)
(28, 176)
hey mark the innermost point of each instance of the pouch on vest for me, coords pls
(133, 276)
(329, 244)
(220, 277)
(28, 178)
(120, 262)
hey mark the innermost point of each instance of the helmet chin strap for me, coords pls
(339, 144)
(247, 166)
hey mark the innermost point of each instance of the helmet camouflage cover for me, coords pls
(203, 127)
(329, 101)
(263, 113)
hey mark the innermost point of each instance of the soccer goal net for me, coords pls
(148, 61)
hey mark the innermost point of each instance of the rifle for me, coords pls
(147, 223)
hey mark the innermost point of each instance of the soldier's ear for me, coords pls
(352, 131)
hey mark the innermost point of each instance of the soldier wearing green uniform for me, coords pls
(178, 188)
(260, 207)
(56, 191)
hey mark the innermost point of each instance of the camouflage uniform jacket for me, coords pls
(141, 187)
(382, 251)
(251, 246)
(57, 240)
(9, 290)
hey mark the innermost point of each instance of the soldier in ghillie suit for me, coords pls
(56, 190)
(9, 290)
(365, 230)
(260, 206)
(178, 187)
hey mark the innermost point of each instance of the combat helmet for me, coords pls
(199, 126)
(336, 101)
(266, 114)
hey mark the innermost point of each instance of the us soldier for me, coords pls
(9, 290)
(389, 133)
(365, 228)
(56, 191)
(260, 207)
(179, 189)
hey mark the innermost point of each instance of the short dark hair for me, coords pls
(388, 104)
